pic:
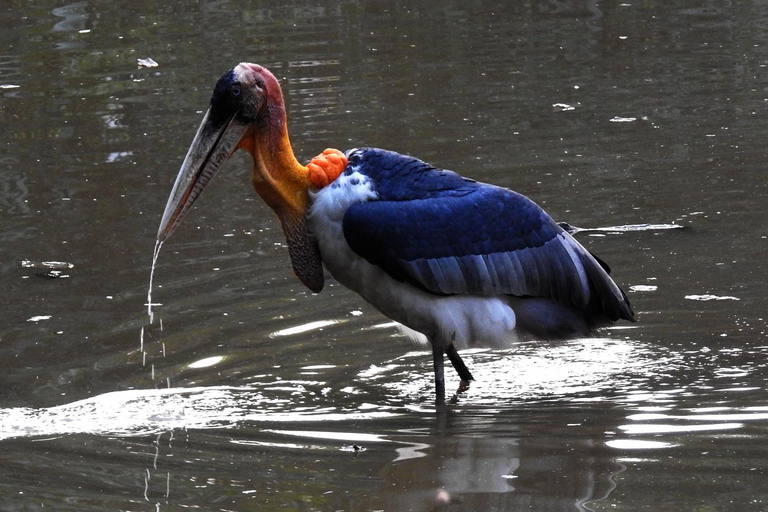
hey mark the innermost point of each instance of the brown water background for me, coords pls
(250, 393)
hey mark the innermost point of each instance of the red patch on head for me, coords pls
(253, 74)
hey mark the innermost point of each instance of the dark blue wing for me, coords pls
(449, 235)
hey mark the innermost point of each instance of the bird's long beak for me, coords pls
(215, 141)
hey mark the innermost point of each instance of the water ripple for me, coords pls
(141, 412)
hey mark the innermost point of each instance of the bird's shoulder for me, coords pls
(399, 177)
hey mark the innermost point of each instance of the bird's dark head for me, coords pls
(247, 111)
(243, 92)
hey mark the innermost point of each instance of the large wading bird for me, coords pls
(458, 261)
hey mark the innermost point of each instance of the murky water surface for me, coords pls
(249, 393)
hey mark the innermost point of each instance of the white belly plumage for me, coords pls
(463, 320)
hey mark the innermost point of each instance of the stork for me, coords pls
(458, 261)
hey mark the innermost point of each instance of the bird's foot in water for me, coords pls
(326, 167)
(463, 386)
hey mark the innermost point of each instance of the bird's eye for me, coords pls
(236, 90)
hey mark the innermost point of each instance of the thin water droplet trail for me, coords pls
(150, 313)
(155, 255)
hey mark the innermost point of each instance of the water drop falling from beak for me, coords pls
(155, 254)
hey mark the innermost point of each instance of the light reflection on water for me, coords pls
(537, 370)
(590, 371)
(142, 412)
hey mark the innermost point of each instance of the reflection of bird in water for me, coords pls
(458, 261)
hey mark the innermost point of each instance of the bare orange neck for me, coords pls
(277, 176)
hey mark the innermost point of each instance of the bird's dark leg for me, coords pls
(460, 367)
(437, 358)
(458, 364)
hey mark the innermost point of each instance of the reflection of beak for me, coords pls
(214, 142)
